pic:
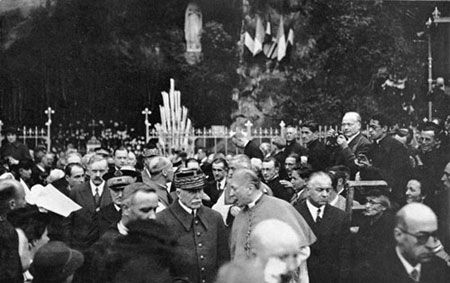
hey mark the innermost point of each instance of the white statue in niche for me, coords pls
(193, 28)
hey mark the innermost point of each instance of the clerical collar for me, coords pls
(253, 203)
(379, 140)
(409, 268)
(187, 209)
(122, 229)
(273, 178)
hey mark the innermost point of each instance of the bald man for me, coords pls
(257, 207)
(274, 244)
(413, 259)
(351, 144)
(331, 225)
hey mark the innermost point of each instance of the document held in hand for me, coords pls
(51, 199)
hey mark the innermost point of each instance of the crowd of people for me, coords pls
(280, 212)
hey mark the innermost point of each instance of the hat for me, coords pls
(10, 130)
(189, 179)
(117, 180)
(102, 151)
(55, 261)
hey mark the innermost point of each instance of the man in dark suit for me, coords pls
(387, 159)
(318, 155)
(251, 149)
(292, 146)
(138, 203)
(12, 196)
(270, 169)
(215, 188)
(351, 144)
(115, 182)
(413, 259)
(201, 233)
(91, 196)
(329, 259)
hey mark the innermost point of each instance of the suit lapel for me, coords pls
(308, 217)
(88, 199)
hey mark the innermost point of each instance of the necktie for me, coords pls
(97, 198)
(318, 218)
(415, 275)
(218, 186)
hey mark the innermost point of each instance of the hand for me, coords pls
(286, 184)
(342, 141)
(362, 161)
(234, 210)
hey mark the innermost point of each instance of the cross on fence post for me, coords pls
(282, 128)
(93, 125)
(49, 111)
(147, 112)
(249, 125)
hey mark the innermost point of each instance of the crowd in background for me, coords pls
(279, 212)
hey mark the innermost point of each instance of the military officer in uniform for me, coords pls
(201, 233)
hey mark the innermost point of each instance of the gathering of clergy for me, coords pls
(359, 206)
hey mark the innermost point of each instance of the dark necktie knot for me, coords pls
(318, 218)
(415, 275)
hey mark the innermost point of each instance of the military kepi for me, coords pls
(117, 180)
(189, 179)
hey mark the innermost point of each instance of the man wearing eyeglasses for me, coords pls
(413, 259)
(374, 235)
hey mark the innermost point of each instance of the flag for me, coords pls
(248, 41)
(259, 36)
(268, 40)
(290, 38)
(281, 41)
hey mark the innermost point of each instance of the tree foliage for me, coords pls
(109, 59)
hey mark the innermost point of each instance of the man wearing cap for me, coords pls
(115, 182)
(13, 150)
(91, 196)
(374, 234)
(55, 262)
(201, 233)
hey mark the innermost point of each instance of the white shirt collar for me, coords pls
(409, 268)
(334, 201)
(100, 187)
(253, 203)
(352, 138)
(223, 183)
(313, 209)
(117, 207)
(122, 229)
(187, 209)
